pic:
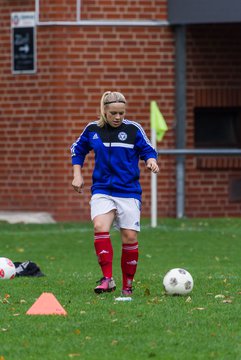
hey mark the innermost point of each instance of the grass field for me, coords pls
(204, 325)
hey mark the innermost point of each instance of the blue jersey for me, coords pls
(117, 153)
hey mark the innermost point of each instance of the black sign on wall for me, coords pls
(23, 43)
(23, 49)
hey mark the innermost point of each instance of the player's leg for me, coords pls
(128, 219)
(129, 259)
(102, 223)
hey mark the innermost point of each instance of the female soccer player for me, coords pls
(118, 145)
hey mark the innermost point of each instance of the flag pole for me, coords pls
(153, 186)
(158, 129)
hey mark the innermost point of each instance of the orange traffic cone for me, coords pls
(46, 304)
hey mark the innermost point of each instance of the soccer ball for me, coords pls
(7, 269)
(178, 282)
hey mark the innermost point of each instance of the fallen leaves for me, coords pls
(219, 296)
(52, 258)
(155, 300)
(114, 342)
(227, 301)
(147, 292)
(4, 300)
(71, 355)
(112, 312)
(226, 298)
(20, 250)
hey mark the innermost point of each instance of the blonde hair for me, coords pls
(107, 98)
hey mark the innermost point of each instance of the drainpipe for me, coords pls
(180, 64)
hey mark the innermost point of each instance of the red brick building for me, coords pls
(128, 46)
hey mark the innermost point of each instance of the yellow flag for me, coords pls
(158, 122)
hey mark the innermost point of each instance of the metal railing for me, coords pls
(216, 152)
(180, 173)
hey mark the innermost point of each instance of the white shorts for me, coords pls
(128, 210)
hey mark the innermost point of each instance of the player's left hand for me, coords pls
(152, 165)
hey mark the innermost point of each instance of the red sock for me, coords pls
(129, 261)
(104, 252)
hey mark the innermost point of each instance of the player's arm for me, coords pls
(79, 150)
(147, 152)
(78, 181)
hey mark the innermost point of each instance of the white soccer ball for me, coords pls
(178, 282)
(7, 269)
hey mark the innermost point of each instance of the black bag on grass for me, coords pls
(27, 268)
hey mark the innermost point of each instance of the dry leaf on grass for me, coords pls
(71, 355)
(112, 312)
(20, 250)
(147, 292)
(219, 296)
(4, 301)
(114, 342)
(227, 301)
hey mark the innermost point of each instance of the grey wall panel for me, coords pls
(203, 11)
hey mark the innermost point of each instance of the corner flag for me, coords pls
(158, 122)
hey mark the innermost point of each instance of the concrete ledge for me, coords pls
(14, 217)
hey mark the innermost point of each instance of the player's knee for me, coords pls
(100, 225)
(129, 237)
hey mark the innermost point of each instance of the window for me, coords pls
(217, 127)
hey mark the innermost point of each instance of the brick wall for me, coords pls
(42, 114)
(213, 79)
(104, 9)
